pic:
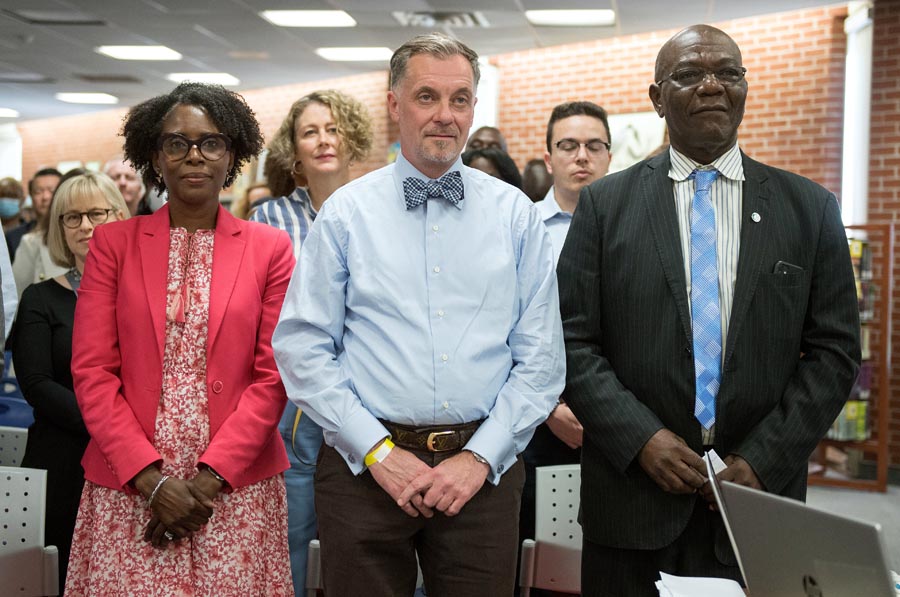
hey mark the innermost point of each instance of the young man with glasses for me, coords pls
(578, 143)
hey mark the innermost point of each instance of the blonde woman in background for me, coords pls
(322, 135)
(42, 351)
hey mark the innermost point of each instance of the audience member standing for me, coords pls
(578, 143)
(421, 332)
(323, 133)
(42, 352)
(130, 184)
(708, 302)
(495, 162)
(40, 189)
(485, 137)
(12, 195)
(174, 372)
(536, 180)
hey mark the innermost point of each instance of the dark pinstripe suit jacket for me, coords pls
(626, 317)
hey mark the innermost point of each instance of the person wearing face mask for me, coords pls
(322, 135)
(11, 197)
(40, 191)
(42, 352)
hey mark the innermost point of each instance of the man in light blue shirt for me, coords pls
(421, 330)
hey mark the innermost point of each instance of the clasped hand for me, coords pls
(676, 468)
(181, 507)
(420, 489)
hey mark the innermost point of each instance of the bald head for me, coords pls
(700, 90)
(687, 37)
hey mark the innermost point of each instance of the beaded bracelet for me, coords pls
(153, 493)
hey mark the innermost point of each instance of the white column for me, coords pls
(857, 114)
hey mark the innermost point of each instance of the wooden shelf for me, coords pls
(882, 236)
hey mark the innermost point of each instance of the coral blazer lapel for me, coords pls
(154, 248)
(228, 253)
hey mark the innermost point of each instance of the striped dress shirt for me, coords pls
(726, 194)
(294, 214)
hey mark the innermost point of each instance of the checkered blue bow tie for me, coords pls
(417, 191)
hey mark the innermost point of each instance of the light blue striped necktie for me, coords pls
(705, 312)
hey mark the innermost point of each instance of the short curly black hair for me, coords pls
(229, 111)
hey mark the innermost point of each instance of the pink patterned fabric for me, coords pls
(243, 549)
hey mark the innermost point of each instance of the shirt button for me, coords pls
(435, 227)
(446, 405)
(437, 269)
(440, 313)
(445, 358)
(351, 458)
(500, 469)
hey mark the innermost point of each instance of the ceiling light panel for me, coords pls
(211, 78)
(355, 54)
(308, 18)
(8, 113)
(139, 52)
(87, 98)
(571, 18)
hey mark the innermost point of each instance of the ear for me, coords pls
(656, 99)
(119, 215)
(393, 106)
(547, 162)
(230, 160)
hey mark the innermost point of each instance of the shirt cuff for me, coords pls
(496, 445)
(357, 436)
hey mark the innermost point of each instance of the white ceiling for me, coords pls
(210, 33)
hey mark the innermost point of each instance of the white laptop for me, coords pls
(788, 549)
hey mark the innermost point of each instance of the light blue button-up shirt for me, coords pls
(556, 220)
(439, 314)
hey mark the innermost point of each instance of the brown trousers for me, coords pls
(369, 545)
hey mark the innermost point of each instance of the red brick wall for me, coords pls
(884, 172)
(793, 120)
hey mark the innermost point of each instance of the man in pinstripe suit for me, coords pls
(789, 349)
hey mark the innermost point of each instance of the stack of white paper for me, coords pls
(690, 586)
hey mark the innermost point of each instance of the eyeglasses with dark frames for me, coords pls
(176, 147)
(691, 76)
(570, 147)
(73, 219)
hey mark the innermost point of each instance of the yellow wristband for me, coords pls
(379, 453)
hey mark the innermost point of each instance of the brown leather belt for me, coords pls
(435, 438)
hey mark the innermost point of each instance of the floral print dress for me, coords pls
(242, 550)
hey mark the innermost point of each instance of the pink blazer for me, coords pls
(119, 336)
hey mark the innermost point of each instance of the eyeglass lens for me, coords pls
(212, 147)
(96, 216)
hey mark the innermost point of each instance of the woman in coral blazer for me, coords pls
(174, 372)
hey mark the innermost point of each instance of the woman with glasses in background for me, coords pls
(41, 342)
(174, 373)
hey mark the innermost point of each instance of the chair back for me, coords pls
(553, 560)
(12, 445)
(28, 569)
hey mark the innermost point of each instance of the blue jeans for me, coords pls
(299, 482)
